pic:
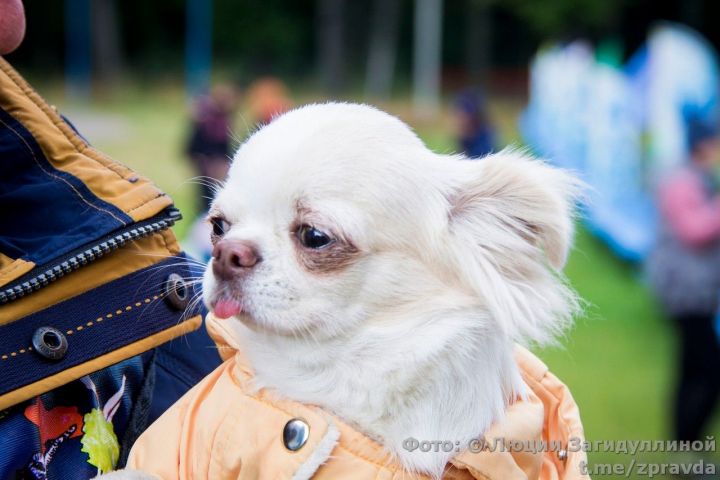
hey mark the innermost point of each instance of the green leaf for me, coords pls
(100, 441)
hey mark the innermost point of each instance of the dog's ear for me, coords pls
(510, 219)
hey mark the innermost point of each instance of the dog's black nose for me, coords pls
(232, 258)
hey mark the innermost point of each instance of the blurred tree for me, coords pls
(331, 44)
(106, 44)
(268, 37)
(153, 35)
(478, 39)
(382, 52)
(78, 64)
(553, 18)
(427, 50)
(198, 46)
(691, 12)
(288, 37)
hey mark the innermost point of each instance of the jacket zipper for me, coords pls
(40, 277)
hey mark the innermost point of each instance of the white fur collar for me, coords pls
(440, 387)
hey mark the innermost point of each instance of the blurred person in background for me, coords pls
(93, 290)
(476, 135)
(268, 97)
(685, 272)
(209, 142)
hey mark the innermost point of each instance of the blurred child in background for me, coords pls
(685, 271)
(209, 143)
(268, 97)
(476, 136)
(209, 148)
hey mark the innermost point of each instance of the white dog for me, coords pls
(384, 282)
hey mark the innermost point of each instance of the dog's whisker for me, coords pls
(188, 260)
(210, 182)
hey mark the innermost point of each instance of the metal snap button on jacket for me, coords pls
(295, 434)
(50, 343)
(562, 455)
(177, 292)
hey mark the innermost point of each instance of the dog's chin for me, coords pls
(243, 317)
(251, 323)
(295, 326)
(259, 323)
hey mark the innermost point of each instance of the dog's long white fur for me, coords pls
(458, 259)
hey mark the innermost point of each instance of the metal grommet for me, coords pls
(562, 455)
(50, 343)
(177, 292)
(295, 434)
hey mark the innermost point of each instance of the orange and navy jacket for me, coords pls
(225, 428)
(91, 278)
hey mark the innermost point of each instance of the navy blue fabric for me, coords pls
(153, 381)
(90, 340)
(45, 212)
(180, 364)
(183, 361)
(35, 442)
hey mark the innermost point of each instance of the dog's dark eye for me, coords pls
(310, 237)
(220, 226)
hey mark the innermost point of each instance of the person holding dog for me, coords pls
(93, 286)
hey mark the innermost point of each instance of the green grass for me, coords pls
(619, 359)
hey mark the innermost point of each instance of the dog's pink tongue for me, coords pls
(227, 308)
